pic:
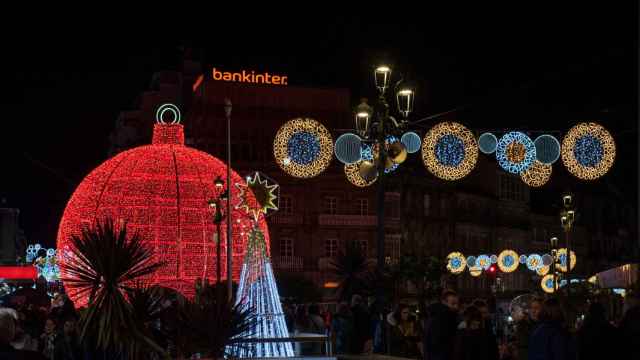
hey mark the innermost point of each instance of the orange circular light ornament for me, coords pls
(543, 270)
(537, 175)
(352, 171)
(303, 147)
(508, 261)
(475, 271)
(547, 284)
(588, 151)
(456, 262)
(449, 151)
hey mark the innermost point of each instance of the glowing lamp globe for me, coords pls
(162, 191)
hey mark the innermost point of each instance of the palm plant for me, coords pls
(353, 271)
(105, 264)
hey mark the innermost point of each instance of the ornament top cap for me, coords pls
(168, 133)
(168, 107)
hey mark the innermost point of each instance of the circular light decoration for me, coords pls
(515, 152)
(411, 141)
(494, 259)
(543, 270)
(471, 261)
(475, 271)
(534, 261)
(536, 175)
(352, 171)
(588, 151)
(487, 143)
(547, 284)
(449, 151)
(523, 259)
(547, 259)
(257, 195)
(348, 148)
(388, 141)
(562, 260)
(547, 149)
(483, 261)
(456, 263)
(302, 147)
(508, 261)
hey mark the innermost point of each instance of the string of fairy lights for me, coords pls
(303, 148)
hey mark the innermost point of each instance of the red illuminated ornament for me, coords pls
(162, 191)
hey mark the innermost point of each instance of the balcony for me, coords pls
(283, 219)
(289, 263)
(354, 220)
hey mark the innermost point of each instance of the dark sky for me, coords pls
(545, 68)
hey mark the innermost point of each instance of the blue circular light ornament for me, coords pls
(588, 151)
(547, 149)
(484, 261)
(523, 259)
(534, 261)
(487, 143)
(449, 151)
(515, 152)
(348, 148)
(411, 141)
(494, 259)
(303, 147)
(471, 261)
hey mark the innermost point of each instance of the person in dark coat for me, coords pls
(525, 324)
(550, 340)
(595, 332)
(440, 327)
(363, 334)
(475, 341)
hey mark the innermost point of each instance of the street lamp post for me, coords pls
(554, 255)
(567, 217)
(227, 112)
(216, 204)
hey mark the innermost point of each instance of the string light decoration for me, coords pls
(348, 148)
(494, 258)
(475, 271)
(471, 261)
(258, 292)
(543, 270)
(257, 196)
(547, 149)
(515, 152)
(456, 262)
(547, 259)
(537, 175)
(487, 143)
(547, 284)
(523, 259)
(411, 141)
(483, 261)
(449, 151)
(370, 152)
(562, 259)
(303, 147)
(588, 151)
(353, 175)
(508, 261)
(45, 261)
(161, 191)
(534, 261)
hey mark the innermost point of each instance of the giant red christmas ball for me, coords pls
(162, 191)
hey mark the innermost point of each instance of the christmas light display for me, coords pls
(456, 262)
(543, 270)
(562, 260)
(449, 151)
(534, 261)
(547, 284)
(160, 191)
(547, 259)
(258, 292)
(475, 271)
(45, 262)
(257, 196)
(508, 261)
(487, 143)
(471, 261)
(348, 148)
(515, 152)
(353, 175)
(588, 151)
(523, 259)
(411, 141)
(547, 149)
(303, 147)
(483, 261)
(494, 259)
(536, 175)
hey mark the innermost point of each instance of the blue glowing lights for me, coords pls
(487, 143)
(348, 148)
(303, 148)
(411, 141)
(515, 152)
(547, 149)
(588, 151)
(449, 150)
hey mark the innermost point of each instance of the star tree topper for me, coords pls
(264, 199)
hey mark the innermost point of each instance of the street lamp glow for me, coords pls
(362, 123)
(567, 200)
(554, 242)
(218, 182)
(405, 99)
(382, 77)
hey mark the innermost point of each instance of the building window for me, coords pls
(363, 206)
(426, 204)
(330, 205)
(286, 247)
(511, 188)
(392, 248)
(286, 204)
(331, 248)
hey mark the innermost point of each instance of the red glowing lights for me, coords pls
(161, 191)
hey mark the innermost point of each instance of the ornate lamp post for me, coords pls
(554, 255)
(218, 217)
(567, 218)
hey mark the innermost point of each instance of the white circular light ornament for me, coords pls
(171, 108)
(456, 263)
(547, 284)
(547, 149)
(483, 261)
(494, 259)
(348, 148)
(534, 261)
(411, 141)
(487, 143)
(471, 261)
(515, 152)
(508, 261)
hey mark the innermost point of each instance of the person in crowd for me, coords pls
(48, 339)
(595, 331)
(630, 328)
(362, 340)
(405, 340)
(550, 340)
(440, 327)
(316, 323)
(526, 322)
(474, 341)
(23, 340)
(67, 344)
(342, 328)
(8, 318)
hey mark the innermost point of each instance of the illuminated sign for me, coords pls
(249, 77)
(18, 272)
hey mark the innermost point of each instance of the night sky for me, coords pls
(513, 68)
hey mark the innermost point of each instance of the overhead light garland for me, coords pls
(562, 257)
(515, 152)
(537, 175)
(547, 149)
(487, 143)
(303, 147)
(483, 261)
(456, 263)
(534, 261)
(547, 284)
(449, 151)
(508, 261)
(588, 151)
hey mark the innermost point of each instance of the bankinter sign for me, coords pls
(249, 77)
